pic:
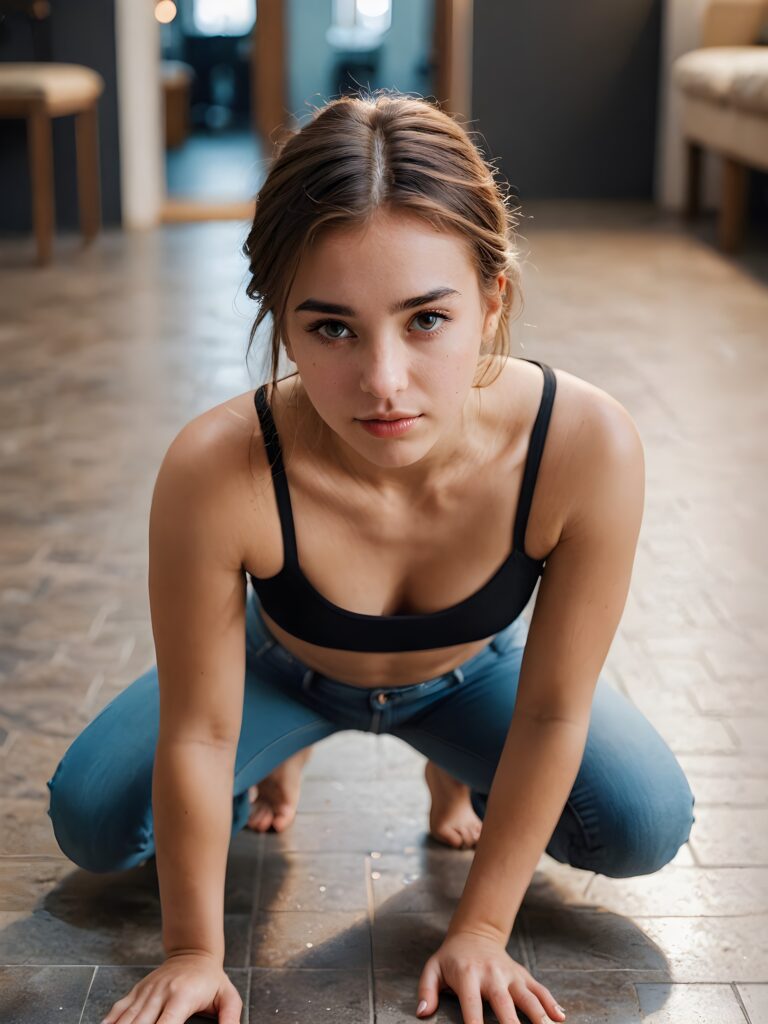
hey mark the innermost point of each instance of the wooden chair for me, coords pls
(39, 92)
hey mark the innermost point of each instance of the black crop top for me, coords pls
(291, 600)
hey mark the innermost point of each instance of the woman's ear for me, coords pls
(503, 284)
(494, 307)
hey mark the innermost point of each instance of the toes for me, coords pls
(448, 836)
(462, 837)
(283, 817)
(260, 818)
(264, 816)
(473, 834)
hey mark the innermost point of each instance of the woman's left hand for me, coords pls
(476, 967)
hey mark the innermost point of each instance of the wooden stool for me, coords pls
(40, 92)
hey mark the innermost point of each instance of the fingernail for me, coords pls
(421, 1007)
(559, 1008)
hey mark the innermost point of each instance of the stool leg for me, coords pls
(693, 154)
(40, 147)
(733, 205)
(88, 185)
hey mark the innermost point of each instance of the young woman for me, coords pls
(394, 503)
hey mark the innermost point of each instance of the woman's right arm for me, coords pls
(197, 600)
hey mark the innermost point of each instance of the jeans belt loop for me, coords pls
(459, 675)
(306, 682)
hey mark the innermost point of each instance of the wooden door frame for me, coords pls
(452, 43)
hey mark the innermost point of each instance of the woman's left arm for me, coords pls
(581, 598)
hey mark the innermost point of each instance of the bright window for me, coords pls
(375, 15)
(224, 17)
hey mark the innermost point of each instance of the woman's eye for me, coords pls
(333, 324)
(335, 327)
(433, 316)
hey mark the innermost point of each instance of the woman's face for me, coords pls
(385, 321)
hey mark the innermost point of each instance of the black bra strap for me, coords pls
(279, 479)
(535, 449)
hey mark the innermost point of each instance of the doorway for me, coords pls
(212, 154)
(235, 75)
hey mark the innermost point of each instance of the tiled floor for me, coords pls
(105, 355)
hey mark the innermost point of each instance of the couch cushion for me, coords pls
(740, 134)
(730, 75)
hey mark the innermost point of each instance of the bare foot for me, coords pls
(276, 797)
(451, 817)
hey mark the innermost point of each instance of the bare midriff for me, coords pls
(372, 670)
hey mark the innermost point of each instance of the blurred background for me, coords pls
(576, 101)
(134, 135)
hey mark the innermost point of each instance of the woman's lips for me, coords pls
(389, 428)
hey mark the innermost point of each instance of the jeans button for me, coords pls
(381, 698)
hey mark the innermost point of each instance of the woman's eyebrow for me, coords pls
(320, 306)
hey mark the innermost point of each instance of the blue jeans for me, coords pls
(628, 813)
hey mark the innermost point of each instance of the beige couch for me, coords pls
(723, 89)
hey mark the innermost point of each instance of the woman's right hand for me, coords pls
(187, 983)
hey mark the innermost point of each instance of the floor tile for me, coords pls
(683, 892)
(25, 881)
(27, 829)
(683, 949)
(336, 939)
(45, 994)
(755, 1000)
(724, 836)
(433, 879)
(313, 881)
(341, 996)
(79, 938)
(352, 833)
(695, 1004)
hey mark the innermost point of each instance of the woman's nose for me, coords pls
(384, 371)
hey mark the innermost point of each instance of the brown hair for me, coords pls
(362, 152)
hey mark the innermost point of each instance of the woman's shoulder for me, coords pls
(588, 430)
(216, 441)
(594, 412)
(577, 405)
(218, 462)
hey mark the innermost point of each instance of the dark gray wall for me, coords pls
(565, 94)
(78, 32)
